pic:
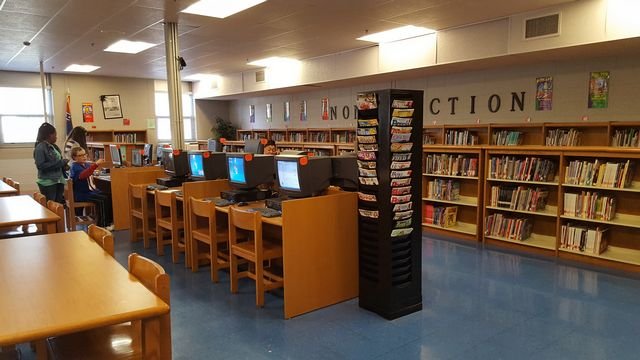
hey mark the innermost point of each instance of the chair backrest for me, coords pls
(58, 209)
(39, 197)
(151, 275)
(202, 208)
(68, 194)
(163, 198)
(103, 237)
(137, 192)
(246, 220)
(13, 184)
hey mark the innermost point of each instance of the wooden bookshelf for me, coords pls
(433, 135)
(319, 135)
(591, 133)
(543, 222)
(623, 126)
(479, 130)
(343, 135)
(128, 141)
(278, 135)
(297, 135)
(530, 134)
(468, 203)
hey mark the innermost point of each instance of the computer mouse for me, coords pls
(242, 203)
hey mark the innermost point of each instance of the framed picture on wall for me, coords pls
(111, 107)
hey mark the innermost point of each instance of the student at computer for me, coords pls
(270, 148)
(81, 172)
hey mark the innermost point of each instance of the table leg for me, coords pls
(41, 350)
(156, 337)
(50, 228)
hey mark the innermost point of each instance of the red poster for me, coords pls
(87, 112)
(325, 108)
(126, 122)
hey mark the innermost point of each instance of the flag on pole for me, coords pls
(67, 115)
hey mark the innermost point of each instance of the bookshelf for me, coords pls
(460, 135)
(432, 135)
(451, 180)
(589, 133)
(98, 142)
(527, 134)
(620, 184)
(521, 190)
(343, 135)
(318, 135)
(624, 134)
(297, 135)
(278, 135)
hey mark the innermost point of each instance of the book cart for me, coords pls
(389, 136)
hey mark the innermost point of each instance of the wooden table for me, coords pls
(57, 284)
(23, 210)
(6, 190)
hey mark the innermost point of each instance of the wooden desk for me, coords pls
(120, 180)
(62, 283)
(6, 190)
(320, 250)
(23, 210)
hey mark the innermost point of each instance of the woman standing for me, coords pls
(77, 137)
(50, 164)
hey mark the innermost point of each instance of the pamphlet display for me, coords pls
(389, 124)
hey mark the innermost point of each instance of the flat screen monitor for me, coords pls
(175, 162)
(136, 158)
(247, 171)
(147, 154)
(116, 159)
(253, 146)
(345, 172)
(302, 176)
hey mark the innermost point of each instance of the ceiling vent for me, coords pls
(260, 76)
(544, 26)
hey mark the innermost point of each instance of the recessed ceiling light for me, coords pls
(272, 61)
(220, 8)
(404, 32)
(81, 68)
(200, 77)
(129, 47)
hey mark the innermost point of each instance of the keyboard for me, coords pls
(267, 212)
(222, 202)
(156, 187)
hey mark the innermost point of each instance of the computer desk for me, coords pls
(320, 249)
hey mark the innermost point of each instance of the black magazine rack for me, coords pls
(389, 149)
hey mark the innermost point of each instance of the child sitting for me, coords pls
(81, 172)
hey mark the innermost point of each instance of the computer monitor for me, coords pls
(247, 171)
(207, 165)
(116, 158)
(345, 172)
(136, 158)
(302, 176)
(175, 163)
(253, 146)
(147, 154)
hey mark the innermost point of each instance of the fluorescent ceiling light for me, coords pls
(272, 61)
(220, 8)
(81, 68)
(200, 77)
(129, 47)
(396, 34)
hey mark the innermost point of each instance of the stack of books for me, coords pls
(599, 173)
(590, 205)
(519, 198)
(585, 239)
(511, 228)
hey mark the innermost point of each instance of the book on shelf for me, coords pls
(522, 169)
(626, 138)
(451, 165)
(507, 138)
(440, 189)
(428, 139)
(460, 137)
(589, 205)
(586, 239)
(444, 216)
(508, 227)
(563, 137)
(599, 173)
(519, 198)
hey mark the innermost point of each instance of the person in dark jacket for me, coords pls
(81, 172)
(50, 164)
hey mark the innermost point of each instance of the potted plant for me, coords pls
(223, 129)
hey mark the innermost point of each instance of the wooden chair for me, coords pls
(39, 197)
(99, 343)
(13, 184)
(255, 250)
(103, 237)
(204, 230)
(169, 218)
(72, 219)
(137, 195)
(58, 209)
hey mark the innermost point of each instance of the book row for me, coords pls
(589, 205)
(600, 173)
(519, 198)
(591, 240)
(512, 228)
(452, 165)
(522, 169)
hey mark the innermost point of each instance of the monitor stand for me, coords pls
(171, 181)
(245, 195)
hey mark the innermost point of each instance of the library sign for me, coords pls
(493, 103)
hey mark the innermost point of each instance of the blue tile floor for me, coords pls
(478, 304)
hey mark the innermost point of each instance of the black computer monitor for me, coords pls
(247, 171)
(207, 165)
(253, 146)
(147, 154)
(345, 172)
(137, 158)
(303, 176)
(116, 158)
(175, 162)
